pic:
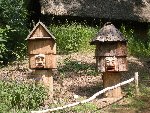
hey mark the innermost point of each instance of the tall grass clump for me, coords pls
(136, 46)
(20, 96)
(73, 37)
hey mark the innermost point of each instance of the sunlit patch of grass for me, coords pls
(73, 37)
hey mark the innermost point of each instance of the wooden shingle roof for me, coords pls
(108, 33)
(40, 27)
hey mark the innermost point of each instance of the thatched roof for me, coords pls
(108, 33)
(137, 10)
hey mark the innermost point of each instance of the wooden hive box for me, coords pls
(41, 48)
(111, 50)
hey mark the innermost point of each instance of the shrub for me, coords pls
(13, 29)
(72, 37)
(15, 95)
(136, 46)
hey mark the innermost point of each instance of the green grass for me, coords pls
(136, 46)
(20, 96)
(77, 67)
(73, 37)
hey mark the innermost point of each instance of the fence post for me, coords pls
(136, 83)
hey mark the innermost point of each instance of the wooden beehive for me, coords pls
(110, 45)
(41, 48)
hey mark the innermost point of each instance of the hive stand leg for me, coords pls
(111, 79)
(46, 78)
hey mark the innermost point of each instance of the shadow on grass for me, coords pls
(74, 67)
(87, 90)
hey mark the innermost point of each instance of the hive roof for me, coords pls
(108, 33)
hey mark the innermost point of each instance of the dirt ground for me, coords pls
(75, 80)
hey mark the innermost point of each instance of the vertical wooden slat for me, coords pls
(111, 79)
(45, 77)
(42, 47)
(136, 83)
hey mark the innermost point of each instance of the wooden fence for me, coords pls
(135, 78)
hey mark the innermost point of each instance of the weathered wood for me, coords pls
(45, 46)
(41, 43)
(45, 77)
(111, 79)
(136, 83)
(111, 49)
(101, 64)
(40, 32)
(50, 61)
(121, 64)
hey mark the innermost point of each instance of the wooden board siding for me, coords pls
(111, 49)
(49, 59)
(40, 32)
(122, 64)
(101, 64)
(44, 77)
(41, 47)
(111, 79)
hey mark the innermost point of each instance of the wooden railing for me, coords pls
(135, 78)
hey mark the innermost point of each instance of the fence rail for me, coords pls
(135, 78)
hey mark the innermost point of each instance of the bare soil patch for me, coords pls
(76, 80)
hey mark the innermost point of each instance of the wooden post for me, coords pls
(136, 83)
(111, 79)
(45, 77)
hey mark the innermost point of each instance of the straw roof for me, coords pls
(137, 10)
(108, 33)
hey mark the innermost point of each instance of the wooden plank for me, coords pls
(43, 32)
(105, 49)
(101, 64)
(122, 64)
(40, 32)
(137, 91)
(45, 77)
(111, 79)
(51, 61)
(41, 47)
(121, 49)
(111, 49)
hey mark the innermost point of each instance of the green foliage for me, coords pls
(81, 108)
(85, 108)
(136, 46)
(141, 101)
(13, 29)
(73, 37)
(3, 48)
(130, 90)
(15, 95)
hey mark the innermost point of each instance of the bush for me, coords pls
(15, 95)
(73, 37)
(13, 29)
(136, 46)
